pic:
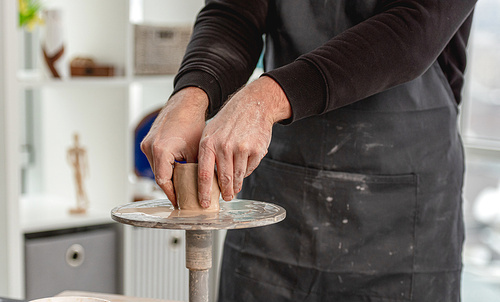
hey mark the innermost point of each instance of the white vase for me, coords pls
(53, 44)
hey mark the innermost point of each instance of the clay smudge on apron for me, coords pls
(339, 145)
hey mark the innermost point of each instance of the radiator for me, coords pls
(157, 260)
(159, 267)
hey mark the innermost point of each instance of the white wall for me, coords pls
(3, 197)
(101, 30)
(98, 115)
(170, 11)
(10, 238)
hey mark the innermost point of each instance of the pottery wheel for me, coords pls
(236, 214)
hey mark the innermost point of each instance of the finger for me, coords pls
(162, 168)
(253, 163)
(163, 176)
(168, 188)
(146, 149)
(224, 160)
(206, 165)
(240, 168)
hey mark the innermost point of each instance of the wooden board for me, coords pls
(110, 297)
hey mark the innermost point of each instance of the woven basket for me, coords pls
(160, 49)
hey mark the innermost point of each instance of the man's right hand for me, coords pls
(175, 135)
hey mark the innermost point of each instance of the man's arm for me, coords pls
(394, 46)
(224, 49)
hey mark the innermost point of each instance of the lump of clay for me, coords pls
(186, 188)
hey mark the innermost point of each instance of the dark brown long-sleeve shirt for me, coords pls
(389, 43)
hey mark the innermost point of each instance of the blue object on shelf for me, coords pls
(141, 163)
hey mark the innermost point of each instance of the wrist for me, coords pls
(192, 97)
(279, 106)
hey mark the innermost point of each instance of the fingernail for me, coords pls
(205, 203)
(228, 197)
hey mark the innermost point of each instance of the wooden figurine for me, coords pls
(77, 158)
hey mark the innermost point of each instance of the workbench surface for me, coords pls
(112, 298)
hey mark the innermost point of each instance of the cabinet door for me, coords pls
(83, 261)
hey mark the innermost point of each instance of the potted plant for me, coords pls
(30, 14)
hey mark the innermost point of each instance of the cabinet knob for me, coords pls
(175, 241)
(75, 255)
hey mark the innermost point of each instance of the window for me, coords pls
(482, 113)
(481, 133)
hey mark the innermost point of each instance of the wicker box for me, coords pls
(160, 49)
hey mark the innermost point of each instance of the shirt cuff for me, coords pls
(304, 86)
(204, 81)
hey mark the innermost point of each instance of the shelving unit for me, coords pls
(42, 114)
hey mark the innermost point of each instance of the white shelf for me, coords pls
(35, 80)
(40, 213)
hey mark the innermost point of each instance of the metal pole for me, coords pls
(198, 286)
(198, 261)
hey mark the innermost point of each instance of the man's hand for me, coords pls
(175, 135)
(237, 138)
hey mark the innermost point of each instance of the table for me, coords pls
(110, 297)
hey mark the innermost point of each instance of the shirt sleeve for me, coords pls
(395, 46)
(224, 49)
(398, 44)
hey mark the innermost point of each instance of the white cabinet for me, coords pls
(82, 259)
(40, 115)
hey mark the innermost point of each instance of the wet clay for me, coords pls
(186, 188)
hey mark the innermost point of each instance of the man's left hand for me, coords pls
(237, 138)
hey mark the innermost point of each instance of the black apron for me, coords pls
(373, 198)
